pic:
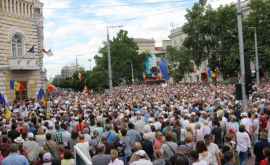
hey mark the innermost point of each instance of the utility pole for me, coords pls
(109, 57)
(109, 61)
(242, 56)
(132, 73)
(76, 64)
(257, 57)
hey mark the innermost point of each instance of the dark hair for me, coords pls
(242, 128)
(74, 135)
(13, 126)
(228, 156)
(201, 147)
(68, 154)
(131, 126)
(48, 136)
(123, 132)
(14, 148)
(194, 155)
(266, 152)
(179, 159)
(169, 136)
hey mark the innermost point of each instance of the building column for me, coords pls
(10, 6)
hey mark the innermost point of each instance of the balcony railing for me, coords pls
(30, 61)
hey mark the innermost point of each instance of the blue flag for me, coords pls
(12, 84)
(2, 100)
(41, 94)
(164, 69)
(209, 72)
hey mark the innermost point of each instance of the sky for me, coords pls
(78, 27)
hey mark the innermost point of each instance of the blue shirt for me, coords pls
(15, 159)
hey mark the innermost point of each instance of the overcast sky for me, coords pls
(78, 27)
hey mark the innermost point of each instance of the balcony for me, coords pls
(30, 61)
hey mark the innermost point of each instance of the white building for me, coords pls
(21, 44)
(177, 37)
(145, 45)
(68, 71)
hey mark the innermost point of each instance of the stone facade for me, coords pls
(177, 37)
(21, 28)
(145, 45)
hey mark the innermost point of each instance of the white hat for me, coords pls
(19, 140)
(140, 153)
(30, 135)
(244, 114)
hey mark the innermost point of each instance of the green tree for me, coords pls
(124, 51)
(212, 34)
(180, 62)
(259, 17)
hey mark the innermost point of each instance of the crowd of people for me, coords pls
(182, 124)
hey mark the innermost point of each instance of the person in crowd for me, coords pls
(140, 158)
(229, 158)
(52, 147)
(243, 144)
(101, 158)
(204, 155)
(259, 147)
(31, 147)
(196, 160)
(14, 157)
(115, 160)
(214, 152)
(266, 153)
(68, 158)
(169, 147)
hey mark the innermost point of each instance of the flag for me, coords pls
(209, 72)
(51, 88)
(19, 86)
(32, 49)
(2, 100)
(12, 84)
(41, 94)
(49, 53)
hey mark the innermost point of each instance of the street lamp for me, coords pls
(256, 54)
(242, 57)
(109, 56)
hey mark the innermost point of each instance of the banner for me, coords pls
(164, 69)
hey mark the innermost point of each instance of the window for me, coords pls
(17, 45)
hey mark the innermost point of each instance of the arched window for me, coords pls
(17, 45)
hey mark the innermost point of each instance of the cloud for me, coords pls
(82, 32)
(51, 6)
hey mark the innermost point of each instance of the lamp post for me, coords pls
(242, 57)
(256, 55)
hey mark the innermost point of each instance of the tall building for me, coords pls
(68, 71)
(145, 45)
(21, 44)
(177, 37)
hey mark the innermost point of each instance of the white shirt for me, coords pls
(243, 141)
(116, 162)
(213, 151)
(247, 122)
(142, 162)
(202, 162)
